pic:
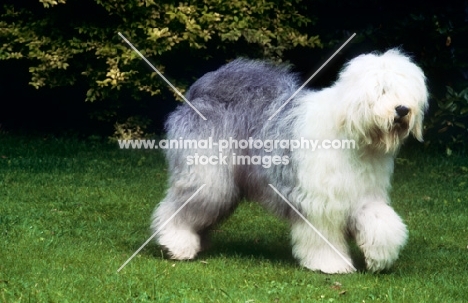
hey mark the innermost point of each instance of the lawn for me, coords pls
(72, 211)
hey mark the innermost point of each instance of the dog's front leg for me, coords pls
(380, 233)
(315, 253)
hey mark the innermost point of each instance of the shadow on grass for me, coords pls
(250, 249)
(275, 252)
(235, 249)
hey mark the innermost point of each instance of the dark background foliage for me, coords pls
(63, 67)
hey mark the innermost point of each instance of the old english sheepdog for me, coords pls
(377, 101)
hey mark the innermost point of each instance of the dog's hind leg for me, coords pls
(182, 235)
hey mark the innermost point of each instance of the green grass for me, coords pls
(71, 212)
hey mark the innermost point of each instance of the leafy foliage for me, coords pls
(444, 60)
(68, 42)
(448, 126)
(132, 129)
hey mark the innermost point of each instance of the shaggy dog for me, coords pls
(377, 101)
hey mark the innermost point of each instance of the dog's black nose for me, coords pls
(401, 110)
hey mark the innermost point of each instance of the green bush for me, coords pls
(75, 43)
(448, 125)
(68, 41)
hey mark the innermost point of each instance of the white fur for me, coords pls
(342, 192)
(348, 189)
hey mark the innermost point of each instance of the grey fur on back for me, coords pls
(237, 101)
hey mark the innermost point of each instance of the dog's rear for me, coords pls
(237, 100)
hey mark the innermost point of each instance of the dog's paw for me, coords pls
(381, 234)
(379, 258)
(376, 266)
(328, 262)
(182, 254)
(331, 268)
(181, 244)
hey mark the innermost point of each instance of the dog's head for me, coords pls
(384, 98)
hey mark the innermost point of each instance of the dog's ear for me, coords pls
(417, 130)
